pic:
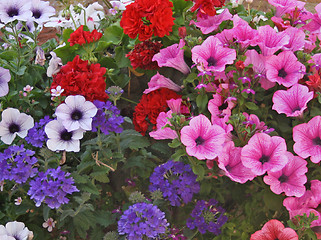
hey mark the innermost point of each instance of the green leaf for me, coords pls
(175, 143)
(181, 5)
(113, 34)
(201, 101)
(251, 106)
(108, 62)
(179, 153)
(199, 171)
(191, 78)
(120, 58)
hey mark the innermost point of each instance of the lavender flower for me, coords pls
(17, 164)
(5, 77)
(142, 220)
(207, 216)
(107, 118)
(36, 135)
(176, 181)
(11, 10)
(52, 187)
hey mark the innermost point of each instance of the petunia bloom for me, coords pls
(4, 79)
(202, 139)
(307, 138)
(274, 229)
(41, 11)
(14, 123)
(11, 10)
(15, 230)
(76, 113)
(290, 179)
(285, 6)
(163, 132)
(172, 56)
(264, 153)
(159, 81)
(293, 101)
(230, 162)
(285, 69)
(212, 56)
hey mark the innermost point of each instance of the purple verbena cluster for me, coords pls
(207, 216)
(176, 181)
(142, 220)
(36, 135)
(17, 164)
(51, 187)
(108, 118)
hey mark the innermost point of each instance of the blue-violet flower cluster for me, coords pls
(51, 187)
(207, 216)
(17, 164)
(107, 118)
(176, 181)
(142, 220)
(36, 135)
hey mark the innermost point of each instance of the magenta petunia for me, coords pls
(290, 179)
(285, 69)
(243, 33)
(264, 153)
(285, 6)
(163, 132)
(220, 108)
(226, 37)
(159, 81)
(307, 138)
(202, 139)
(293, 101)
(269, 40)
(173, 56)
(230, 162)
(297, 39)
(208, 24)
(314, 26)
(211, 56)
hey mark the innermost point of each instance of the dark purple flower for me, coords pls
(142, 220)
(36, 135)
(207, 216)
(176, 181)
(52, 187)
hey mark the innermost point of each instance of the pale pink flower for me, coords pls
(27, 88)
(18, 201)
(307, 139)
(57, 92)
(173, 56)
(202, 139)
(290, 179)
(230, 162)
(285, 69)
(50, 224)
(264, 153)
(293, 101)
(159, 81)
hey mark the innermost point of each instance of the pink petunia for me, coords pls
(314, 26)
(252, 119)
(285, 69)
(297, 39)
(202, 139)
(211, 56)
(285, 6)
(230, 162)
(163, 132)
(173, 56)
(243, 33)
(226, 37)
(290, 179)
(293, 101)
(159, 81)
(264, 153)
(220, 108)
(307, 139)
(269, 40)
(208, 24)
(273, 230)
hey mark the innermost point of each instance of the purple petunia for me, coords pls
(107, 119)
(51, 187)
(207, 216)
(142, 220)
(176, 181)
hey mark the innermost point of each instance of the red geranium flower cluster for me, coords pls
(207, 7)
(80, 78)
(146, 17)
(82, 37)
(149, 107)
(142, 55)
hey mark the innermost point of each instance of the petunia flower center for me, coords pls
(223, 106)
(282, 73)
(283, 178)
(317, 141)
(264, 159)
(211, 61)
(13, 12)
(199, 141)
(76, 115)
(296, 109)
(14, 128)
(36, 13)
(65, 135)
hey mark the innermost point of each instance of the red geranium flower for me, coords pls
(80, 78)
(149, 107)
(145, 18)
(142, 55)
(207, 7)
(82, 37)
(274, 229)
